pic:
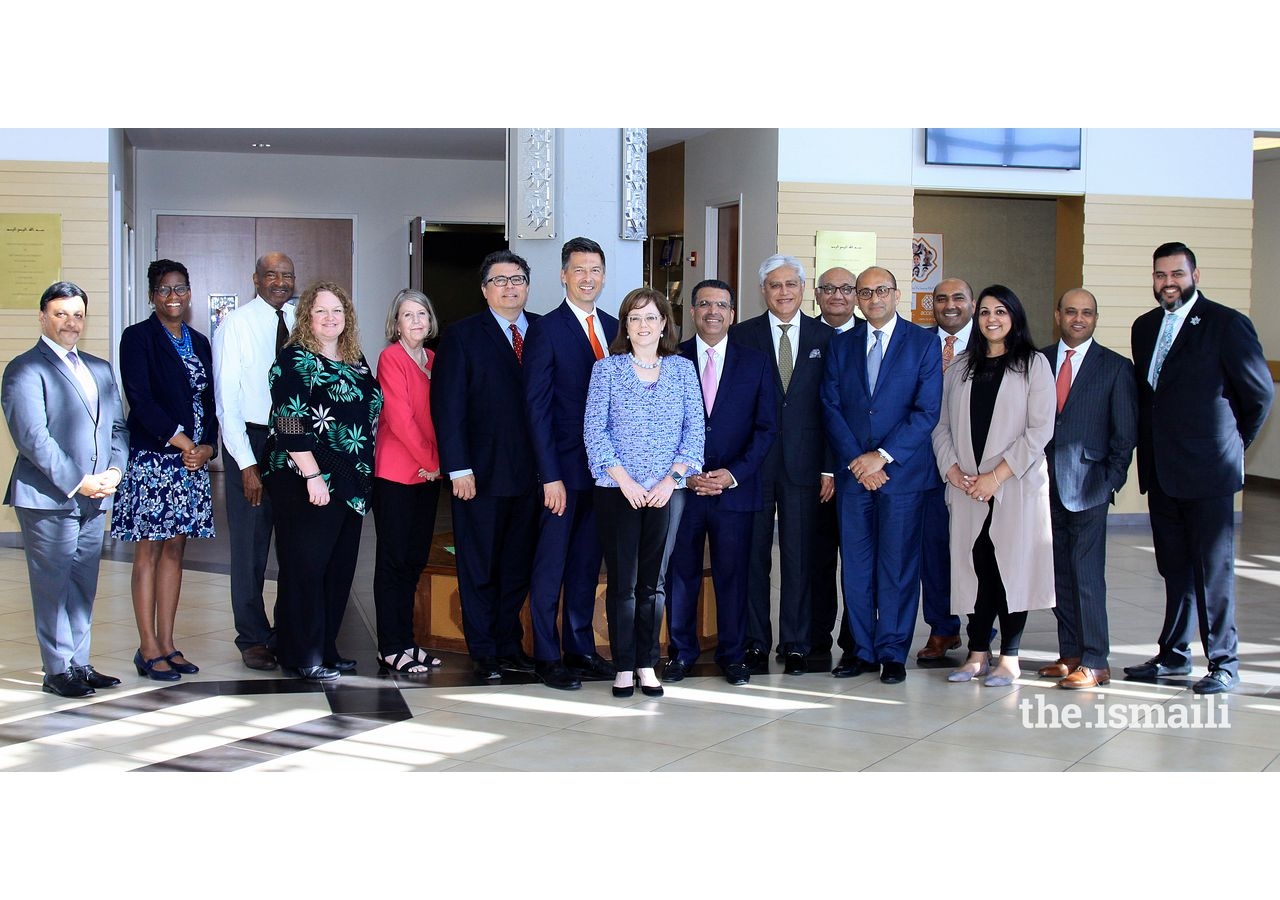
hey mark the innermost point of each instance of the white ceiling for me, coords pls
(409, 143)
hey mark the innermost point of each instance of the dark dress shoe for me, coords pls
(258, 657)
(1219, 681)
(147, 668)
(893, 673)
(314, 673)
(756, 660)
(93, 678)
(854, 669)
(736, 673)
(623, 693)
(487, 669)
(555, 675)
(796, 664)
(675, 671)
(651, 690)
(66, 684)
(342, 664)
(933, 655)
(1153, 668)
(186, 667)
(589, 666)
(520, 662)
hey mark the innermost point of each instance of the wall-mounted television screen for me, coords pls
(1023, 148)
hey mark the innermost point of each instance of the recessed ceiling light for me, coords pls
(260, 146)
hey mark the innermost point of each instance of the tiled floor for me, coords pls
(229, 718)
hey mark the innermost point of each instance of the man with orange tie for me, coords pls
(1093, 439)
(559, 352)
(953, 309)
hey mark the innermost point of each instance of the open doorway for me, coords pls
(444, 264)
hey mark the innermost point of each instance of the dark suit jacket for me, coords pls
(1210, 401)
(1094, 435)
(477, 405)
(55, 432)
(557, 362)
(799, 454)
(899, 417)
(743, 424)
(158, 389)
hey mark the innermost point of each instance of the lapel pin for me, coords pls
(815, 353)
(1195, 320)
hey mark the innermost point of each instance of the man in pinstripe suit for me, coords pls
(1093, 439)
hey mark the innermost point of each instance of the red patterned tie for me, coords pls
(517, 343)
(1064, 380)
(949, 351)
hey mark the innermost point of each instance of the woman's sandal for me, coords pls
(405, 663)
(426, 657)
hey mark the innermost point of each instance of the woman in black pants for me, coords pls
(997, 416)
(318, 469)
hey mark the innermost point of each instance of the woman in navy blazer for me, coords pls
(166, 368)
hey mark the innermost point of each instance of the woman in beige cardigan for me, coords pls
(998, 405)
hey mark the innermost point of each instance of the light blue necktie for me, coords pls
(1162, 346)
(874, 359)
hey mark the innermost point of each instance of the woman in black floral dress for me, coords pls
(166, 368)
(318, 469)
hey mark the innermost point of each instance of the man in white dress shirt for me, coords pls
(244, 348)
(953, 309)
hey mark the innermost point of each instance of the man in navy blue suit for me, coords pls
(792, 478)
(563, 346)
(1089, 456)
(740, 400)
(953, 309)
(881, 397)
(477, 403)
(1204, 391)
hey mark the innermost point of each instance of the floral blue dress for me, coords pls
(159, 497)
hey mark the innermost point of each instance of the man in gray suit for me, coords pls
(67, 422)
(1093, 439)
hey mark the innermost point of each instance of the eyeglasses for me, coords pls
(504, 280)
(722, 305)
(644, 320)
(880, 293)
(830, 289)
(180, 290)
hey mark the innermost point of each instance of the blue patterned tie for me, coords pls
(874, 359)
(1162, 346)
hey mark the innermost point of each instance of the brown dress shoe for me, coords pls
(1060, 669)
(937, 647)
(258, 657)
(1083, 678)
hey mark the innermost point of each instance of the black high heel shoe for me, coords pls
(186, 667)
(147, 668)
(623, 693)
(650, 690)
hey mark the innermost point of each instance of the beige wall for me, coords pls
(998, 240)
(1119, 235)
(805, 209)
(1263, 458)
(78, 192)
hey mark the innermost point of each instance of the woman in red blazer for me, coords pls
(406, 480)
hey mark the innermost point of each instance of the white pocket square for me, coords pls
(815, 353)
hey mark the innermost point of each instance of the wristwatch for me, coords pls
(677, 478)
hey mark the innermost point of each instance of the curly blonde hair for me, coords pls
(302, 335)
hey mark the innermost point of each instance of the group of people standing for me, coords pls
(960, 458)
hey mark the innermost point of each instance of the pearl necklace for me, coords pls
(641, 365)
